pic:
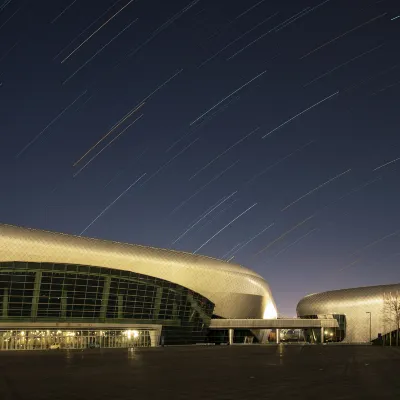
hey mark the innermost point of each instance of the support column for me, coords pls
(263, 335)
(154, 338)
(36, 294)
(64, 303)
(104, 300)
(230, 332)
(157, 302)
(278, 333)
(5, 303)
(195, 306)
(322, 334)
(120, 309)
(174, 311)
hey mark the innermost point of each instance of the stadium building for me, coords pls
(364, 314)
(64, 291)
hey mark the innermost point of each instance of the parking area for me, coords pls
(203, 372)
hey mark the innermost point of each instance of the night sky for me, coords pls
(258, 130)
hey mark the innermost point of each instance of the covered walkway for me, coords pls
(277, 324)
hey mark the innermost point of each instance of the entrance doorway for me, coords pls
(52, 339)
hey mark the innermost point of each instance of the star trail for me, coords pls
(263, 132)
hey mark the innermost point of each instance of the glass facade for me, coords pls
(291, 335)
(52, 339)
(34, 292)
(330, 334)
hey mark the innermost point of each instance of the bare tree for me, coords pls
(391, 312)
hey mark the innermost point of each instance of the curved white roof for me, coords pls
(343, 299)
(363, 307)
(236, 291)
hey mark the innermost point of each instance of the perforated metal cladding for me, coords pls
(355, 304)
(237, 292)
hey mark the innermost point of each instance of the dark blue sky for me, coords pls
(327, 71)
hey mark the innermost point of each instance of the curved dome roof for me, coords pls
(226, 284)
(339, 300)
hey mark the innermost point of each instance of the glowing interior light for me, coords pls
(130, 333)
(270, 311)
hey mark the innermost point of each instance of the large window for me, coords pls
(64, 292)
(330, 334)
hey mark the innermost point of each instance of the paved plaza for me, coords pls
(203, 372)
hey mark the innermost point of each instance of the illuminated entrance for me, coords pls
(51, 339)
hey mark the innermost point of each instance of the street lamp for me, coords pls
(370, 323)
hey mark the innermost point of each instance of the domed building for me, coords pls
(364, 314)
(65, 291)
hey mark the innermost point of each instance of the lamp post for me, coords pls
(370, 324)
